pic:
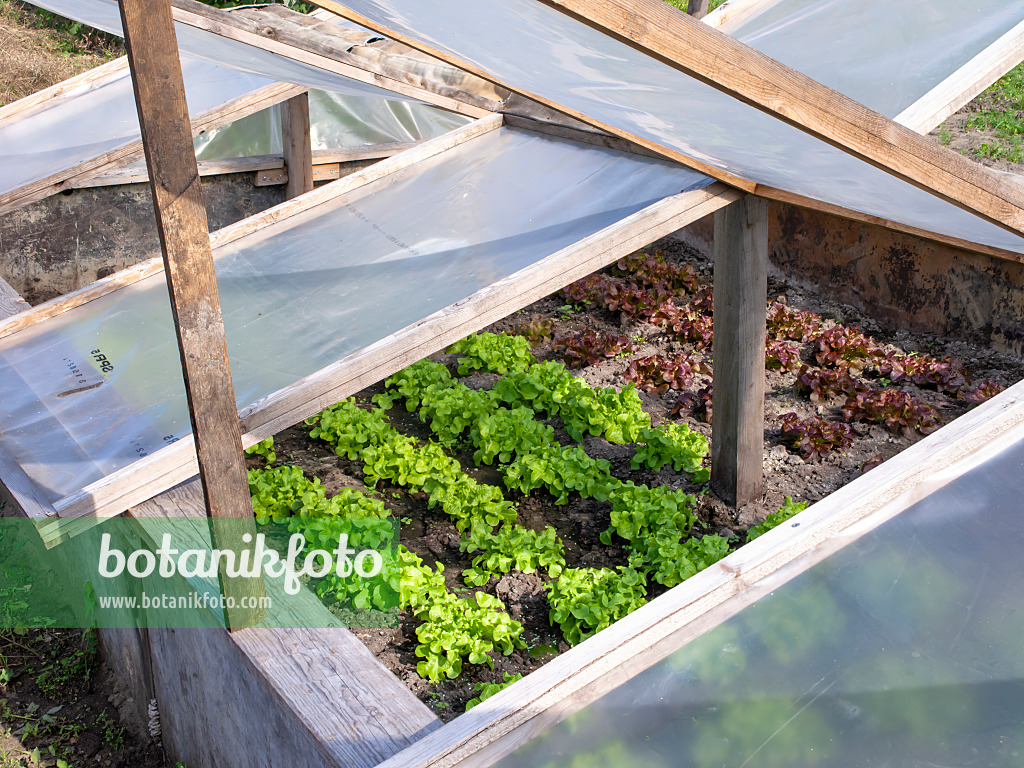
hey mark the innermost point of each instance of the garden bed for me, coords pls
(928, 388)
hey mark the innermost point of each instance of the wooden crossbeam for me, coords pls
(192, 284)
(677, 40)
(298, 148)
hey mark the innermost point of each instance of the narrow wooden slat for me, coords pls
(176, 462)
(395, 166)
(737, 11)
(132, 151)
(741, 291)
(598, 665)
(192, 284)
(237, 28)
(959, 88)
(298, 147)
(670, 36)
(11, 302)
(74, 86)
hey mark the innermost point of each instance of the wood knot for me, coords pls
(268, 32)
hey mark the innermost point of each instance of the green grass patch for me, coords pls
(1000, 109)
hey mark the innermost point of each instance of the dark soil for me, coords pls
(432, 535)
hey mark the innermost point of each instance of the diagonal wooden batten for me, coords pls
(959, 88)
(737, 11)
(999, 198)
(396, 166)
(715, 59)
(176, 463)
(73, 86)
(71, 178)
(233, 27)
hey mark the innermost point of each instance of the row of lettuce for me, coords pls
(506, 425)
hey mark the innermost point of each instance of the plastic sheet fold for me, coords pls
(92, 390)
(533, 47)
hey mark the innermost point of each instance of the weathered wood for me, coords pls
(322, 160)
(698, 8)
(11, 302)
(587, 137)
(959, 88)
(192, 284)
(176, 462)
(277, 176)
(598, 665)
(673, 38)
(133, 150)
(298, 147)
(238, 28)
(741, 293)
(670, 36)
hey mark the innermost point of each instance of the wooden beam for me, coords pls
(234, 27)
(192, 284)
(298, 147)
(670, 36)
(394, 168)
(763, 82)
(131, 151)
(959, 88)
(741, 293)
(600, 664)
(176, 463)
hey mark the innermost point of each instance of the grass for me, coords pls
(681, 4)
(1000, 110)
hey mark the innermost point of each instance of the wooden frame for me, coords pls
(592, 668)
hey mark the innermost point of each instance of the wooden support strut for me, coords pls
(298, 148)
(741, 293)
(195, 302)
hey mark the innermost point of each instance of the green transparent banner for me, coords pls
(329, 571)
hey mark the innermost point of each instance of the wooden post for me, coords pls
(698, 8)
(298, 149)
(195, 302)
(741, 294)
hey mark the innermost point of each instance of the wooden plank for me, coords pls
(397, 166)
(238, 28)
(741, 290)
(599, 664)
(75, 86)
(321, 159)
(737, 12)
(959, 88)
(298, 146)
(176, 462)
(11, 302)
(321, 172)
(192, 283)
(586, 137)
(667, 34)
(670, 36)
(133, 150)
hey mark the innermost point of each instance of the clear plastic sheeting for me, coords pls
(903, 649)
(202, 44)
(87, 125)
(884, 56)
(336, 121)
(535, 48)
(88, 392)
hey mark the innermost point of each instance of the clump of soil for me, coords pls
(432, 535)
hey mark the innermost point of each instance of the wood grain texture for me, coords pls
(298, 147)
(131, 151)
(959, 88)
(192, 283)
(741, 291)
(596, 666)
(176, 463)
(11, 302)
(238, 28)
(670, 36)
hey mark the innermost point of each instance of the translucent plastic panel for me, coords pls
(335, 121)
(89, 391)
(538, 49)
(902, 650)
(884, 56)
(102, 119)
(103, 14)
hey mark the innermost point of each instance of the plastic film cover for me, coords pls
(540, 50)
(903, 649)
(91, 390)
